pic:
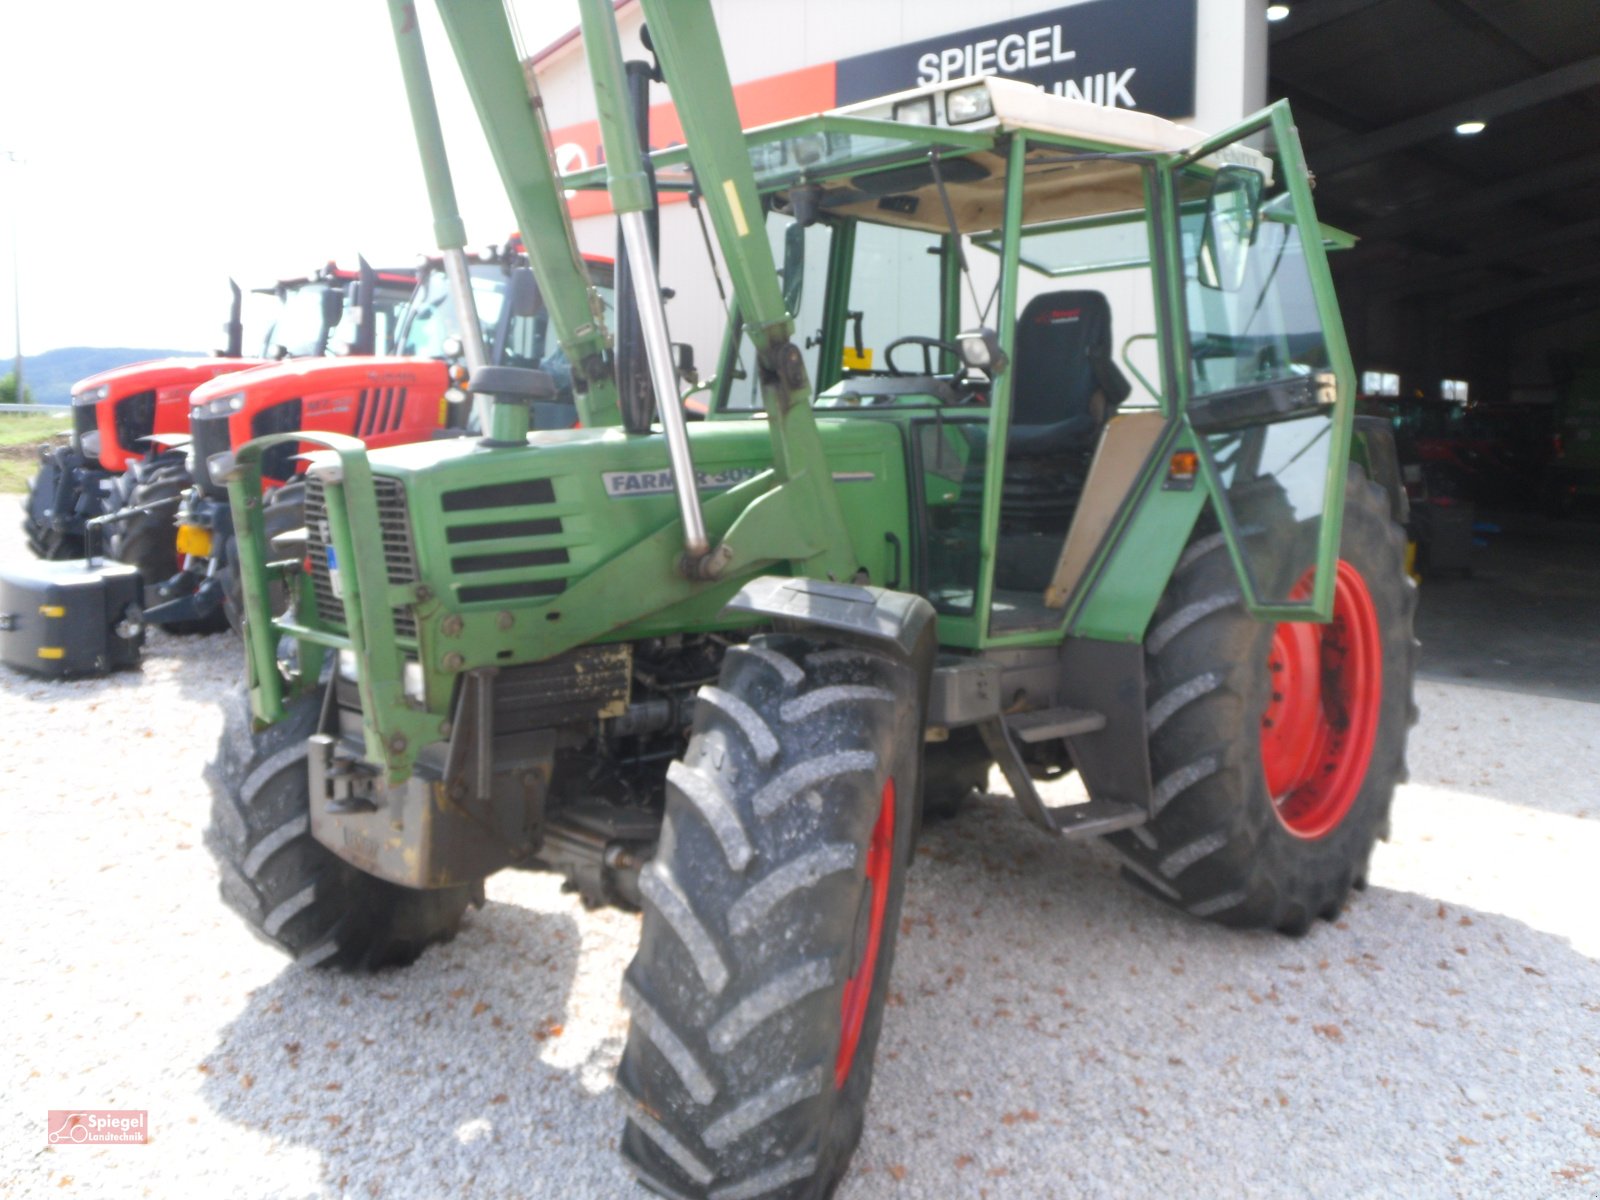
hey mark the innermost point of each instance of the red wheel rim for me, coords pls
(1321, 720)
(858, 990)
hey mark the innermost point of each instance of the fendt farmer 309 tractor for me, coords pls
(695, 668)
(409, 395)
(123, 418)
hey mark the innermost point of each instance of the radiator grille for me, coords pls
(135, 418)
(209, 434)
(84, 421)
(399, 557)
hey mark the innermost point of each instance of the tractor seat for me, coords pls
(1066, 385)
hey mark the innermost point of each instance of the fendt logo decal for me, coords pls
(659, 483)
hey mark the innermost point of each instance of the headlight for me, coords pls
(968, 104)
(90, 443)
(221, 406)
(92, 395)
(347, 666)
(412, 682)
(289, 657)
(915, 112)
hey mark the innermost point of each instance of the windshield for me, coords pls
(431, 320)
(298, 330)
(1261, 324)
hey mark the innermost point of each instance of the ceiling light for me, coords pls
(1277, 12)
(1468, 128)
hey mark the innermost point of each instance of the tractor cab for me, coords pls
(1031, 288)
(512, 315)
(326, 313)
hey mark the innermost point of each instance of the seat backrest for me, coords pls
(1065, 383)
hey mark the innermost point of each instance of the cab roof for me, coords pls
(871, 157)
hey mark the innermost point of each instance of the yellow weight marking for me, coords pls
(52, 652)
(52, 610)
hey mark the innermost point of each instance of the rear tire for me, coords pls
(292, 891)
(770, 914)
(1222, 845)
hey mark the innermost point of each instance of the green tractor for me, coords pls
(1101, 506)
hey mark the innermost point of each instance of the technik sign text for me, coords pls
(1119, 53)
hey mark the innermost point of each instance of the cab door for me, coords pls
(1270, 387)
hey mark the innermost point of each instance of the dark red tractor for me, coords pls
(414, 395)
(128, 423)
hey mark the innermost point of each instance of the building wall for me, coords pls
(763, 38)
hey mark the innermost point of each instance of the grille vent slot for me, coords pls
(380, 410)
(500, 495)
(399, 557)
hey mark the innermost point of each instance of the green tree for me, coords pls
(8, 390)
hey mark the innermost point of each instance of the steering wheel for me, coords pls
(928, 345)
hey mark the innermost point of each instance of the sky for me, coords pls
(170, 144)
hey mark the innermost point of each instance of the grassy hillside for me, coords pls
(49, 376)
(19, 437)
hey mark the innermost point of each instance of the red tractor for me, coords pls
(413, 396)
(122, 417)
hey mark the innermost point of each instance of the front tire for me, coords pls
(1276, 749)
(771, 910)
(51, 487)
(292, 891)
(148, 541)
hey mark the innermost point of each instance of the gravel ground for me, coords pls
(1053, 1033)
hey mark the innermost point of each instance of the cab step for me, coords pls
(1091, 818)
(1047, 724)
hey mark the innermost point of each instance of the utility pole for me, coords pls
(16, 272)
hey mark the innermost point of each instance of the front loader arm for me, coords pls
(684, 34)
(514, 124)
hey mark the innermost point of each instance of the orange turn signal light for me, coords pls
(1181, 469)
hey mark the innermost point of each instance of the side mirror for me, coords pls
(332, 307)
(805, 201)
(1233, 214)
(794, 266)
(524, 295)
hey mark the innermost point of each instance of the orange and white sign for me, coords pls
(761, 102)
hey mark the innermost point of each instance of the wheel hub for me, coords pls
(1321, 716)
